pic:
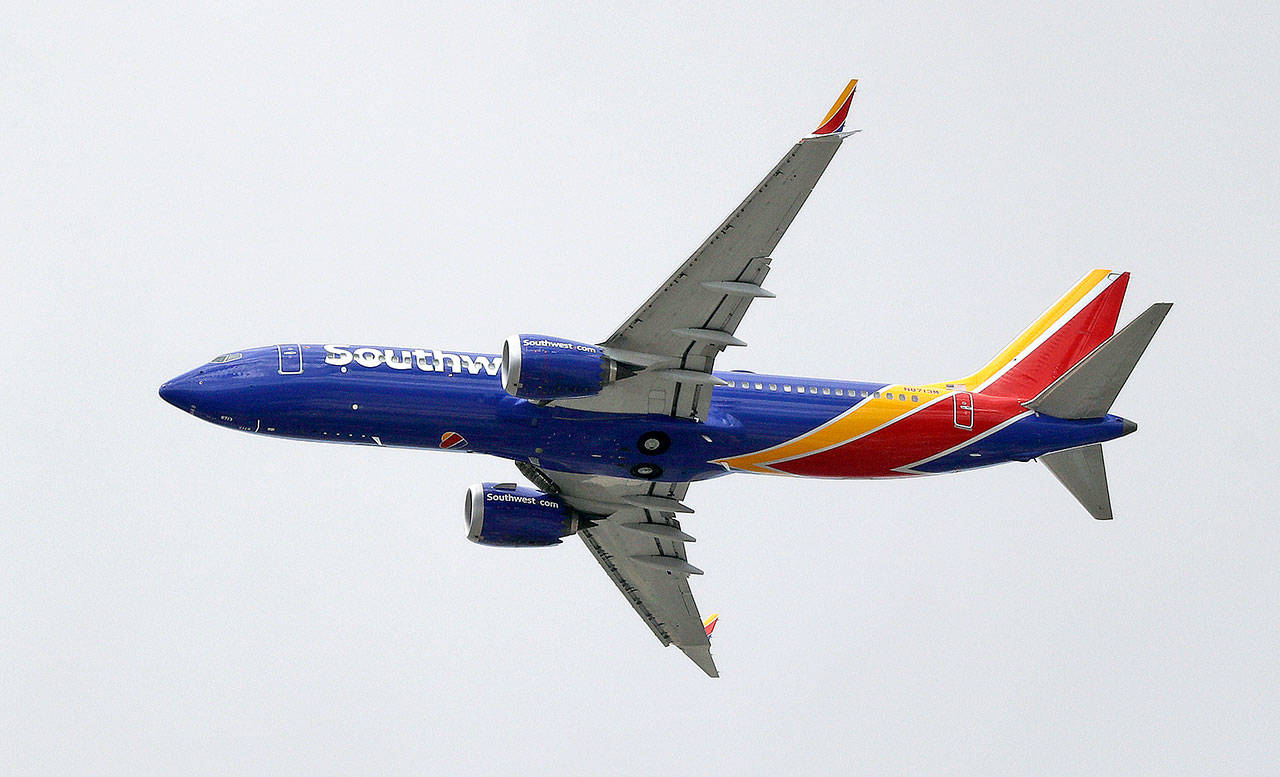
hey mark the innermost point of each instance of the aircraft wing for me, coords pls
(639, 544)
(677, 333)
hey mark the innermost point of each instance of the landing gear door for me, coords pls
(290, 359)
(963, 402)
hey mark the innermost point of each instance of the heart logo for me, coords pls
(452, 440)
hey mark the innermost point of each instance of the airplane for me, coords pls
(611, 435)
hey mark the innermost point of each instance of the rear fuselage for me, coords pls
(772, 424)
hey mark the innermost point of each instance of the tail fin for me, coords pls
(1090, 387)
(1084, 473)
(1067, 332)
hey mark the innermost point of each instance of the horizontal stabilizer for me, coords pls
(1089, 388)
(1084, 474)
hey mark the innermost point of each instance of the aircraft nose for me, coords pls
(224, 389)
(180, 392)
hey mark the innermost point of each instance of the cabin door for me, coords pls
(290, 359)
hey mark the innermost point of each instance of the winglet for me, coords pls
(709, 625)
(834, 122)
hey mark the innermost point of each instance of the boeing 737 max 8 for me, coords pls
(612, 434)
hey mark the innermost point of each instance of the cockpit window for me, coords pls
(224, 358)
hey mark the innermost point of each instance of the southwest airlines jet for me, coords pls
(611, 435)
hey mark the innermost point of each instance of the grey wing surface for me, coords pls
(677, 333)
(638, 542)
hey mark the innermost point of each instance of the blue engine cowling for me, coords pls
(507, 515)
(541, 367)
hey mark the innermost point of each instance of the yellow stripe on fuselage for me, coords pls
(867, 416)
(1041, 325)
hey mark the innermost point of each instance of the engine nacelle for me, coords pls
(507, 515)
(541, 367)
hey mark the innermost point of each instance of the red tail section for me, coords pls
(1078, 323)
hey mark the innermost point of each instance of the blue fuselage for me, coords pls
(425, 398)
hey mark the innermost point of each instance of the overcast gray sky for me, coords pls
(179, 182)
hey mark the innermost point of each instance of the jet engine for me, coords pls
(541, 367)
(507, 515)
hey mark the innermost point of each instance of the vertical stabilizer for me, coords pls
(1067, 332)
(1084, 474)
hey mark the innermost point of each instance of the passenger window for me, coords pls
(875, 395)
(826, 391)
(786, 388)
(773, 386)
(759, 386)
(840, 393)
(864, 393)
(915, 398)
(813, 389)
(902, 397)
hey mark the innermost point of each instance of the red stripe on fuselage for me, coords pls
(918, 436)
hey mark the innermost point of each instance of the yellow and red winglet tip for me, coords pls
(834, 122)
(709, 625)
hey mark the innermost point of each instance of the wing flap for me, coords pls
(737, 252)
(712, 290)
(661, 597)
(640, 545)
